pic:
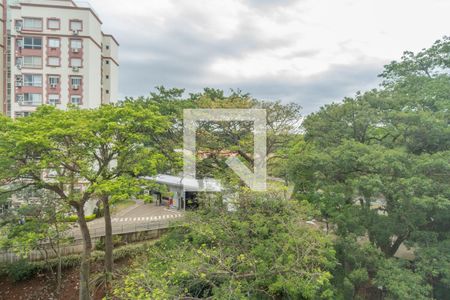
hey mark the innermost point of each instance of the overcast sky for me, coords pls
(309, 51)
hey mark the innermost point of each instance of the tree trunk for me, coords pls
(59, 275)
(108, 237)
(394, 247)
(86, 256)
(59, 268)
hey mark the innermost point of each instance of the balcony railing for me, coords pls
(30, 102)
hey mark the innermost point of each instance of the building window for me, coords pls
(76, 25)
(32, 61)
(75, 62)
(19, 61)
(54, 43)
(107, 91)
(19, 43)
(76, 44)
(29, 99)
(21, 114)
(54, 61)
(53, 24)
(107, 76)
(107, 47)
(32, 80)
(53, 99)
(75, 81)
(75, 99)
(107, 62)
(32, 42)
(53, 81)
(18, 24)
(32, 24)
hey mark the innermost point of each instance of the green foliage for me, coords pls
(21, 270)
(401, 283)
(217, 140)
(262, 250)
(91, 154)
(108, 148)
(377, 167)
(117, 241)
(35, 225)
(73, 219)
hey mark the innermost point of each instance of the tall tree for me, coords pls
(92, 153)
(216, 141)
(377, 166)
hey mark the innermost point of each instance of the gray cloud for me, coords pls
(311, 92)
(179, 53)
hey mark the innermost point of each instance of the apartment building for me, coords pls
(54, 52)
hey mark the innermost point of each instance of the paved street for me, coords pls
(138, 217)
(140, 213)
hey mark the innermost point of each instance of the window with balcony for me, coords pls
(21, 114)
(54, 43)
(32, 62)
(76, 100)
(29, 99)
(31, 42)
(75, 62)
(76, 25)
(53, 81)
(32, 80)
(18, 24)
(75, 81)
(32, 24)
(54, 61)
(19, 61)
(54, 24)
(53, 99)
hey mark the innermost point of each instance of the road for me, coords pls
(139, 217)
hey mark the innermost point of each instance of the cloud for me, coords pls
(309, 51)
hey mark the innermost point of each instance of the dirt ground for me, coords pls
(42, 287)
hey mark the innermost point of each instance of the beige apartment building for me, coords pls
(54, 52)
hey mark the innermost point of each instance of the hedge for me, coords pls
(23, 270)
(75, 218)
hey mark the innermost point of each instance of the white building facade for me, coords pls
(55, 53)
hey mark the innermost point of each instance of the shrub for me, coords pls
(75, 218)
(130, 250)
(117, 242)
(21, 270)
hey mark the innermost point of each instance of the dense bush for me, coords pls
(75, 218)
(263, 250)
(21, 270)
(117, 242)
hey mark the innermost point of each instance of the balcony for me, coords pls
(30, 102)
